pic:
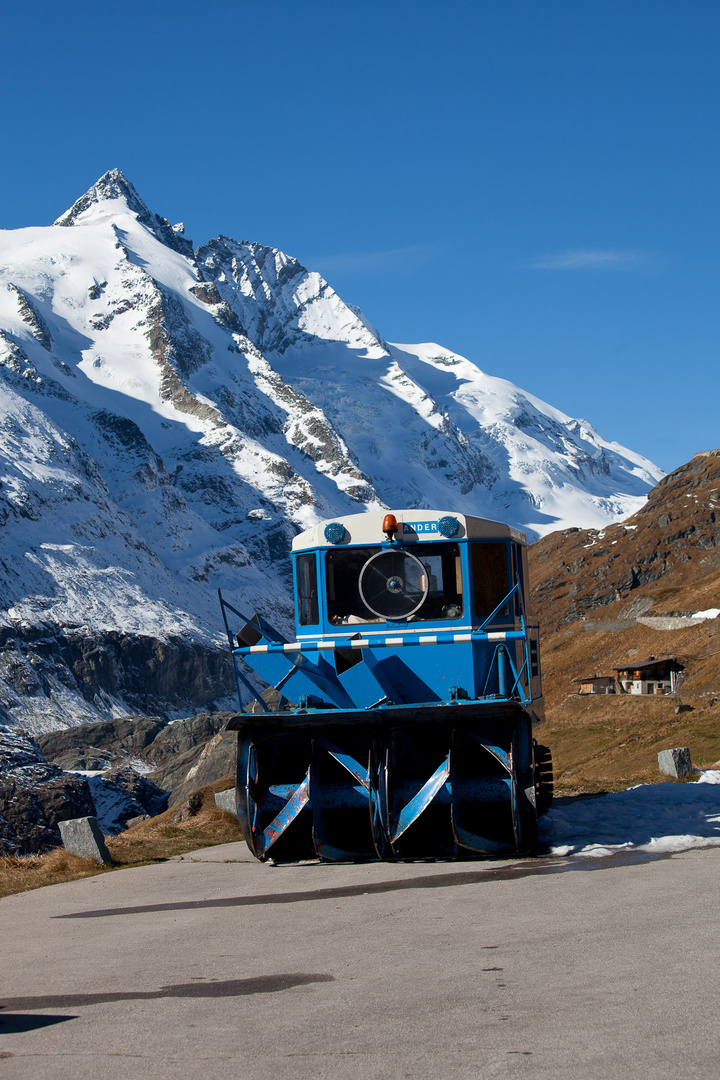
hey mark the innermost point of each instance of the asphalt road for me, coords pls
(216, 966)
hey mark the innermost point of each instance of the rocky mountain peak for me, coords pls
(114, 187)
(281, 304)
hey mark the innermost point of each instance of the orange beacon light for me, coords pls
(389, 525)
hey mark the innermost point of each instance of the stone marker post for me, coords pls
(81, 836)
(226, 800)
(675, 762)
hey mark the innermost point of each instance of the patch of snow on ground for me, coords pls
(711, 613)
(657, 818)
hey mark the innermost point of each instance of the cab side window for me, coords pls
(490, 578)
(307, 591)
(519, 576)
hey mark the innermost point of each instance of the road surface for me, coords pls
(212, 965)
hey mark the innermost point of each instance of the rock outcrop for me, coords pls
(175, 757)
(34, 796)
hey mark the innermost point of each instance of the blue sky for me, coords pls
(533, 183)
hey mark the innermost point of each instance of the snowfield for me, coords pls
(655, 818)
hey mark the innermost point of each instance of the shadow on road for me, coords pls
(339, 892)
(211, 988)
(12, 1024)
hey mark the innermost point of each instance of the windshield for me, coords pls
(371, 584)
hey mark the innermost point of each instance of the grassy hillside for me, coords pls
(593, 592)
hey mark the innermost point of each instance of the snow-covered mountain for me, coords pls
(170, 418)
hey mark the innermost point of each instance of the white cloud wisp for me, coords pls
(402, 260)
(593, 259)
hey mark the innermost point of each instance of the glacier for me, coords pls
(171, 417)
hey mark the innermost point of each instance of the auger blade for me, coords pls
(340, 795)
(484, 787)
(413, 795)
(277, 791)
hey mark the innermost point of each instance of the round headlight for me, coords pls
(334, 532)
(448, 526)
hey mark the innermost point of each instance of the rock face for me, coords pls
(46, 670)
(170, 418)
(122, 794)
(35, 796)
(104, 745)
(174, 758)
(203, 762)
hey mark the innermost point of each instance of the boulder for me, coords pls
(187, 809)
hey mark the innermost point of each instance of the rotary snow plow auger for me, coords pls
(400, 722)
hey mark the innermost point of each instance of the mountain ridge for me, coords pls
(171, 417)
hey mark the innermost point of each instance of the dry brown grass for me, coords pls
(610, 743)
(19, 873)
(150, 841)
(584, 588)
(158, 838)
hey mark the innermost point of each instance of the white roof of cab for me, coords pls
(415, 525)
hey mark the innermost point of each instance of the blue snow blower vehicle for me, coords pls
(400, 722)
